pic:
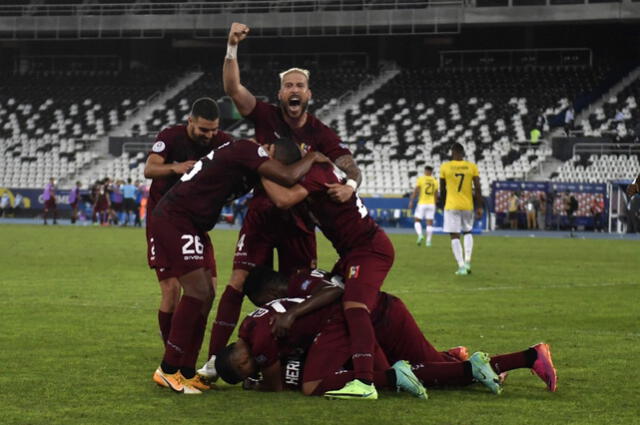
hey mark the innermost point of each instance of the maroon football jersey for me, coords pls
(312, 136)
(224, 174)
(303, 283)
(255, 330)
(275, 221)
(174, 145)
(348, 224)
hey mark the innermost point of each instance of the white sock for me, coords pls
(418, 226)
(429, 232)
(468, 247)
(456, 247)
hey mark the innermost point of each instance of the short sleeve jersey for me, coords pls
(312, 136)
(458, 176)
(428, 187)
(224, 174)
(255, 330)
(347, 225)
(173, 144)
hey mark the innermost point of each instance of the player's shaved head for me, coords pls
(264, 284)
(206, 108)
(234, 363)
(286, 151)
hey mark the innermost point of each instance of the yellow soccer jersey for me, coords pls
(459, 178)
(428, 187)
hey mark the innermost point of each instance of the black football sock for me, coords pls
(188, 372)
(167, 368)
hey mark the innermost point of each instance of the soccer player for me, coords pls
(366, 255)
(427, 192)
(49, 197)
(174, 152)
(180, 246)
(399, 337)
(294, 241)
(460, 185)
(74, 201)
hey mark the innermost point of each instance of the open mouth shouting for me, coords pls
(295, 105)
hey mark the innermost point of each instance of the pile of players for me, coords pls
(334, 334)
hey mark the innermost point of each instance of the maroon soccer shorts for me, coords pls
(296, 249)
(50, 204)
(331, 351)
(364, 270)
(176, 247)
(398, 333)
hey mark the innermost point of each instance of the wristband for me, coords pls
(232, 52)
(353, 184)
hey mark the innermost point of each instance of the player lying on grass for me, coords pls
(397, 332)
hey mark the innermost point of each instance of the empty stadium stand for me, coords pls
(413, 120)
(49, 121)
(618, 117)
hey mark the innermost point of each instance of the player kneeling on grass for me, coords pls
(398, 336)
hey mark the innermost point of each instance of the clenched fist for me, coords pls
(237, 33)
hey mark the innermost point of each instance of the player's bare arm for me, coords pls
(634, 187)
(284, 197)
(321, 296)
(443, 193)
(339, 192)
(288, 175)
(478, 197)
(271, 378)
(155, 167)
(413, 196)
(244, 100)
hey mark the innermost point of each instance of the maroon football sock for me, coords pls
(226, 319)
(381, 379)
(191, 354)
(444, 373)
(518, 360)
(362, 342)
(380, 361)
(180, 338)
(164, 320)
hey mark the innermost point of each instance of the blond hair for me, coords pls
(304, 72)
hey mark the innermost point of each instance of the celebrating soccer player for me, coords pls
(267, 228)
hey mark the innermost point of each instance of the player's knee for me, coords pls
(238, 276)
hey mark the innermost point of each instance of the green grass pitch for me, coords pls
(79, 338)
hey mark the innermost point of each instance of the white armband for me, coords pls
(232, 52)
(353, 184)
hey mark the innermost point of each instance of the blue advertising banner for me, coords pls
(395, 212)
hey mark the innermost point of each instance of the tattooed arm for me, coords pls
(342, 192)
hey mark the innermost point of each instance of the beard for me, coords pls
(302, 108)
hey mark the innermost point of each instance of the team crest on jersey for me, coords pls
(158, 146)
(354, 272)
(262, 153)
(305, 284)
(304, 147)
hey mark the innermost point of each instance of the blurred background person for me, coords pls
(49, 198)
